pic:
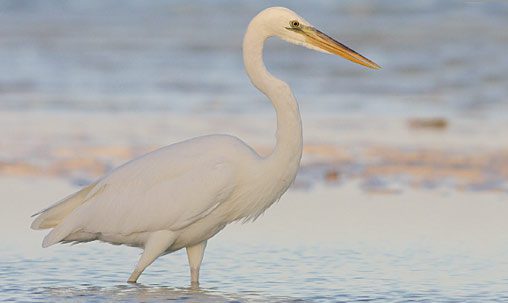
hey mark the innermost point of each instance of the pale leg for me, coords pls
(158, 242)
(195, 254)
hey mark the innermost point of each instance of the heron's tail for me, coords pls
(53, 215)
(58, 234)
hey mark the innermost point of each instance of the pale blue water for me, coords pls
(289, 255)
(257, 273)
(440, 58)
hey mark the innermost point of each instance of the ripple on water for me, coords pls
(93, 273)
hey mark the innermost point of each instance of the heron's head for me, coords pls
(287, 25)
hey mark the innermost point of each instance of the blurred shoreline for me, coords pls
(384, 155)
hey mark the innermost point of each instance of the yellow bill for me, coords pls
(322, 41)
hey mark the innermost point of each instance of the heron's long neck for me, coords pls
(288, 149)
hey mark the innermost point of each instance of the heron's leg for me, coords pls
(195, 254)
(157, 243)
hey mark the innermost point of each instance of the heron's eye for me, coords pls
(294, 24)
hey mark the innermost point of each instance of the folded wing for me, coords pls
(148, 194)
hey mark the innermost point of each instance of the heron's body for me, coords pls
(218, 166)
(183, 194)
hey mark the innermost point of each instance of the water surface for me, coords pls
(443, 58)
(324, 245)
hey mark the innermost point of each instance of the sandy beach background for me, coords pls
(402, 194)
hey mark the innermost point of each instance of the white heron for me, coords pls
(183, 194)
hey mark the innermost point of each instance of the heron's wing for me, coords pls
(144, 197)
(168, 203)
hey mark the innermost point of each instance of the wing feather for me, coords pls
(170, 204)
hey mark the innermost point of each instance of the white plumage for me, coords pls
(183, 194)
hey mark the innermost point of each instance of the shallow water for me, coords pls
(334, 245)
(256, 274)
